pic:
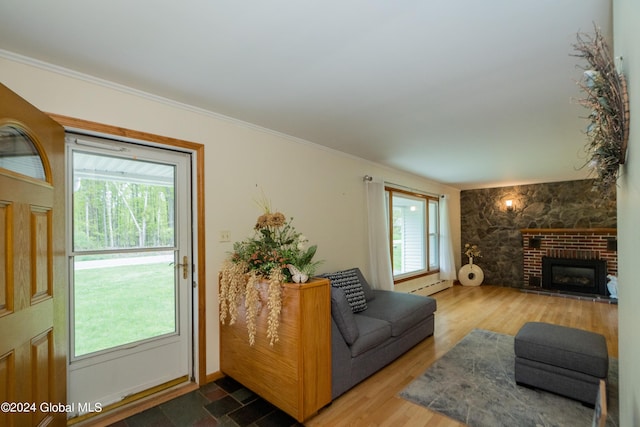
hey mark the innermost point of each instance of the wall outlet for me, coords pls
(225, 236)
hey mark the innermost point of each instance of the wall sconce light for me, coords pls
(509, 205)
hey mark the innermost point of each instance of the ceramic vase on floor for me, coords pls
(471, 274)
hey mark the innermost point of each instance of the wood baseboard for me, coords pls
(209, 378)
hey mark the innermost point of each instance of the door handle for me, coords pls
(185, 266)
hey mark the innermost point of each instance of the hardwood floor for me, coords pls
(374, 402)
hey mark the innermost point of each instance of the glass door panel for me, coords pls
(18, 153)
(120, 299)
(124, 252)
(121, 203)
(129, 257)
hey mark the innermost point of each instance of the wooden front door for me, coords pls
(33, 339)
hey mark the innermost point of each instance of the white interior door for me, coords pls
(130, 261)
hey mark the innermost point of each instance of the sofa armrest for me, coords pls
(340, 362)
(342, 315)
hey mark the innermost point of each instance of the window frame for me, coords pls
(428, 200)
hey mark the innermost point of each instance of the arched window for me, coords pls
(18, 152)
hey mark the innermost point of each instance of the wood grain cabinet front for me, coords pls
(295, 373)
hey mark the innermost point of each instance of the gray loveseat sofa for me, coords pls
(371, 328)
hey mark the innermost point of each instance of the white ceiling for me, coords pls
(469, 93)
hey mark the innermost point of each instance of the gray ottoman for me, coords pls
(567, 361)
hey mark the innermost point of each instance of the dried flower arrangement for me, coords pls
(607, 100)
(276, 254)
(471, 251)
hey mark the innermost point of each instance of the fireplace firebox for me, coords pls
(586, 276)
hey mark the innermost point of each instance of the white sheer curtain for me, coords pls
(381, 275)
(447, 262)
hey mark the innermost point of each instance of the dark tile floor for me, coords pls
(224, 402)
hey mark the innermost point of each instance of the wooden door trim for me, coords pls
(71, 123)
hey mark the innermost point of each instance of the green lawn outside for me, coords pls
(124, 304)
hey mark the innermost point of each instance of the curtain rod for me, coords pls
(369, 178)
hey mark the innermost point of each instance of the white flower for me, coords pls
(302, 243)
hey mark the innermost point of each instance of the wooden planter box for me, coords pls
(295, 373)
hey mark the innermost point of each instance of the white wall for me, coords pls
(627, 44)
(322, 189)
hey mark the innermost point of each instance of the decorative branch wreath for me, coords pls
(607, 100)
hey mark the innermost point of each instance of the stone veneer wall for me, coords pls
(486, 222)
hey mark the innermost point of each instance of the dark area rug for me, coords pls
(474, 383)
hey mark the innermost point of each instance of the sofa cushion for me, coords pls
(400, 309)
(373, 332)
(343, 316)
(349, 282)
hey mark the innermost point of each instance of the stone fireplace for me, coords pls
(570, 259)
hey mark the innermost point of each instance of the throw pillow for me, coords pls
(349, 282)
(368, 292)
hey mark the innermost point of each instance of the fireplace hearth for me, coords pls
(585, 276)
